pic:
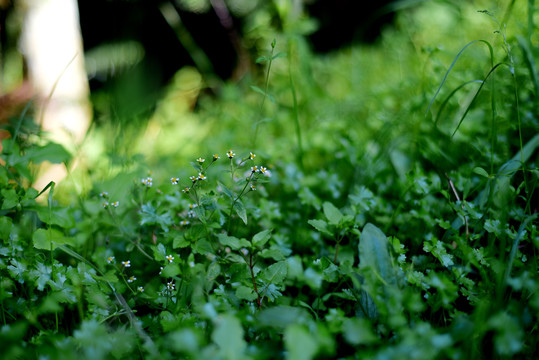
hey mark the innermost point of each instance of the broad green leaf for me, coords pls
(232, 242)
(56, 216)
(281, 316)
(6, 225)
(42, 239)
(299, 343)
(246, 293)
(228, 336)
(333, 214)
(272, 253)
(358, 331)
(374, 254)
(260, 239)
(11, 199)
(240, 210)
(171, 270)
(275, 273)
(54, 153)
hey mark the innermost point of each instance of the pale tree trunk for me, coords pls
(51, 42)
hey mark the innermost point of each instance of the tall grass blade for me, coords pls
(453, 64)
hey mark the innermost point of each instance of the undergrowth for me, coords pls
(399, 222)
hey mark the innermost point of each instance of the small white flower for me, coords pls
(170, 258)
(140, 289)
(110, 259)
(126, 263)
(131, 279)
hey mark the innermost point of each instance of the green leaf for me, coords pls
(42, 239)
(180, 242)
(321, 226)
(11, 199)
(275, 273)
(272, 253)
(260, 239)
(6, 224)
(240, 210)
(232, 242)
(41, 275)
(333, 214)
(225, 190)
(374, 254)
(171, 270)
(279, 55)
(52, 152)
(148, 215)
(56, 216)
(358, 332)
(261, 59)
(481, 172)
(228, 336)
(299, 343)
(281, 316)
(258, 90)
(246, 293)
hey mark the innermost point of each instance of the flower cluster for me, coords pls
(148, 182)
(105, 204)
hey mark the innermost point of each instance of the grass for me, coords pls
(398, 218)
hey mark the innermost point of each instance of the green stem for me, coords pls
(251, 266)
(265, 92)
(295, 106)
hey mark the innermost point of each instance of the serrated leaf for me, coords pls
(321, 226)
(41, 275)
(333, 214)
(261, 238)
(275, 273)
(180, 242)
(240, 210)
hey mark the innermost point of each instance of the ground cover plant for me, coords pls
(378, 202)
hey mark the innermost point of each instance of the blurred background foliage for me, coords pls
(173, 80)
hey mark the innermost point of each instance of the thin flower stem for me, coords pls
(251, 266)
